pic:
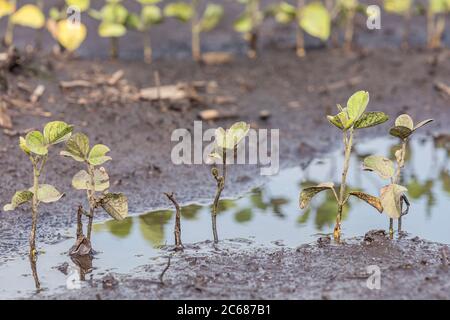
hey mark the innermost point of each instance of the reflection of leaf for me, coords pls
(326, 212)
(120, 229)
(445, 177)
(417, 190)
(257, 199)
(277, 204)
(190, 212)
(152, 226)
(225, 205)
(304, 217)
(243, 215)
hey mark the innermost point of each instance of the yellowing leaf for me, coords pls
(373, 201)
(371, 119)
(397, 6)
(82, 5)
(211, 17)
(181, 10)
(390, 197)
(77, 147)
(29, 16)
(116, 205)
(70, 35)
(98, 156)
(357, 104)
(23, 145)
(315, 20)
(404, 120)
(34, 141)
(47, 193)
(56, 132)
(381, 165)
(6, 8)
(308, 193)
(151, 15)
(109, 30)
(82, 181)
(231, 137)
(19, 198)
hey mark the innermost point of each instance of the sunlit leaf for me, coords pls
(243, 24)
(47, 193)
(390, 197)
(404, 120)
(82, 5)
(284, 12)
(315, 20)
(211, 17)
(145, 2)
(231, 137)
(35, 142)
(308, 193)
(151, 15)
(116, 205)
(180, 10)
(422, 123)
(29, 16)
(400, 132)
(56, 132)
(114, 13)
(19, 198)
(82, 181)
(357, 104)
(98, 156)
(77, 147)
(371, 119)
(348, 4)
(397, 6)
(70, 35)
(6, 8)
(335, 121)
(23, 145)
(381, 165)
(439, 6)
(111, 30)
(373, 201)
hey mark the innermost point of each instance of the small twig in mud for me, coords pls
(213, 114)
(444, 256)
(158, 89)
(75, 84)
(161, 276)
(177, 230)
(442, 87)
(115, 77)
(37, 93)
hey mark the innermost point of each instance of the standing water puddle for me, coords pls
(268, 215)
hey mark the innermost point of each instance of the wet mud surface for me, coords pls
(297, 94)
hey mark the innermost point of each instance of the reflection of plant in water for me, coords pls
(350, 118)
(416, 190)
(152, 226)
(190, 212)
(120, 229)
(243, 215)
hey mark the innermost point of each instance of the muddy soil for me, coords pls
(410, 268)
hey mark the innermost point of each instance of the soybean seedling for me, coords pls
(65, 25)
(186, 12)
(150, 15)
(248, 24)
(403, 129)
(113, 17)
(36, 146)
(404, 9)
(349, 119)
(94, 180)
(347, 9)
(313, 19)
(226, 142)
(436, 15)
(29, 15)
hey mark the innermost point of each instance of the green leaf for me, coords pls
(114, 13)
(404, 120)
(19, 198)
(397, 6)
(400, 132)
(151, 15)
(35, 142)
(315, 20)
(439, 6)
(97, 156)
(83, 5)
(390, 197)
(334, 120)
(308, 193)
(357, 104)
(211, 17)
(82, 181)
(56, 132)
(180, 10)
(381, 165)
(47, 193)
(111, 30)
(145, 2)
(134, 22)
(23, 145)
(373, 201)
(231, 137)
(77, 147)
(371, 119)
(348, 4)
(243, 24)
(116, 205)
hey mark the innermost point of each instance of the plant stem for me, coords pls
(9, 33)
(114, 47)
(397, 177)
(349, 30)
(253, 41)
(177, 230)
(195, 30)
(40, 5)
(407, 30)
(300, 39)
(92, 201)
(430, 28)
(148, 53)
(34, 211)
(220, 187)
(348, 141)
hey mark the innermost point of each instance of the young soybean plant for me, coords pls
(436, 15)
(36, 146)
(93, 180)
(348, 9)
(312, 18)
(349, 119)
(150, 15)
(248, 24)
(186, 12)
(402, 8)
(403, 129)
(113, 17)
(226, 142)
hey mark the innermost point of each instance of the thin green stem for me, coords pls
(92, 200)
(9, 33)
(220, 186)
(195, 30)
(300, 39)
(148, 52)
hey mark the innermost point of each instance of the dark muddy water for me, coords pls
(268, 215)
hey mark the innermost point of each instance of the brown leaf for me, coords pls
(373, 201)
(5, 119)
